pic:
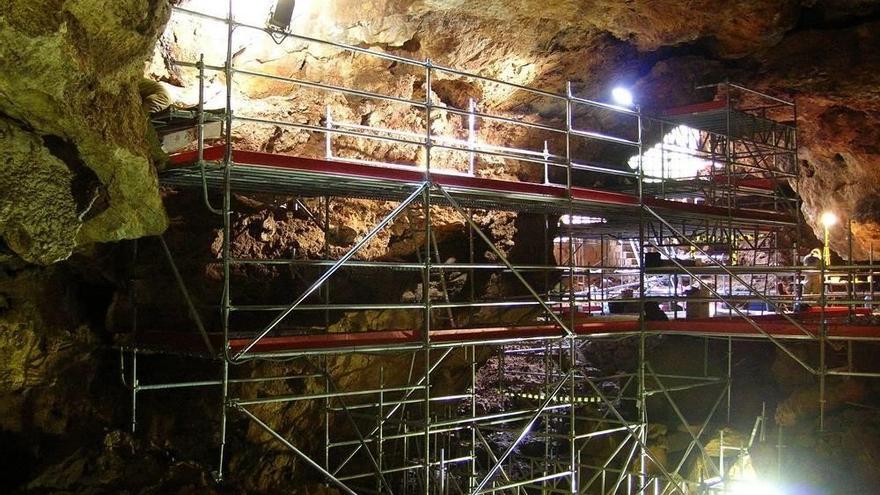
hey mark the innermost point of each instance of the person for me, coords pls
(697, 309)
(782, 291)
(154, 96)
(810, 283)
(812, 280)
(653, 312)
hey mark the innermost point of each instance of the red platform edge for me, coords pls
(773, 325)
(762, 183)
(473, 183)
(707, 106)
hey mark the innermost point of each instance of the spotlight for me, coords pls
(281, 15)
(828, 219)
(622, 96)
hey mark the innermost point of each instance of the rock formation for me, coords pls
(78, 159)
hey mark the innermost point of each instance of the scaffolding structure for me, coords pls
(694, 218)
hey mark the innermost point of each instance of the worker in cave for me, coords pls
(155, 99)
(782, 290)
(811, 282)
(653, 312)
(154, 96)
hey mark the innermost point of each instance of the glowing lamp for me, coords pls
(828, 219)
(622, 96)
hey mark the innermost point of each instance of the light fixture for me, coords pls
(281, 15)
(828, 219)
(622, 96)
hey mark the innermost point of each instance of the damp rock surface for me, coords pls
(69, 75)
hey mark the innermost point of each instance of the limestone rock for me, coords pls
(119, 463)
(70, 71)
(39, 215)
(838, 96)
(77, 165)
(47, 352)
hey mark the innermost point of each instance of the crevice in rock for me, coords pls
(89, 193)
(411, 45)
(867, 209)
(700, 47)
(95, 300)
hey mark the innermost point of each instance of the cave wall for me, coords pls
(71, 112)
(838, 96)
(77, 164)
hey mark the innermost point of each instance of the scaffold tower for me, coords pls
(681, 225)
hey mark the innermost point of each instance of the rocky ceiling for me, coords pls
(824, 54)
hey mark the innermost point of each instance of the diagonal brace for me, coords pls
(746, 317)
(361, 439)
(457, 207)
(522, 434)
(721, 265)
(193, 312)
(694, 438)
(699, 434)
(295, 450)
(336, 266)
(631, 431)
(489, 451)
(393, 410)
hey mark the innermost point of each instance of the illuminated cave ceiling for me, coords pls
(824, 54)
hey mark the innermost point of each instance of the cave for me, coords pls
(439, 247)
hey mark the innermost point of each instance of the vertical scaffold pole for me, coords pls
(472, 135)
(380, 455)
(227, 241)
(134, 390)
(472, 480)
(224, 394)
(200, 110)
(200, 136)
(731, 236)
(572, 303)
(328, 134)
(823, 334)
(851, 275)
(426, 281)
(326, 373)
(642, 396)
(546, 156)
(548, 364)
(729, 375)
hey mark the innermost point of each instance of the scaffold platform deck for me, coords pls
(774, 325)
(716, 116)
(268, 172)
